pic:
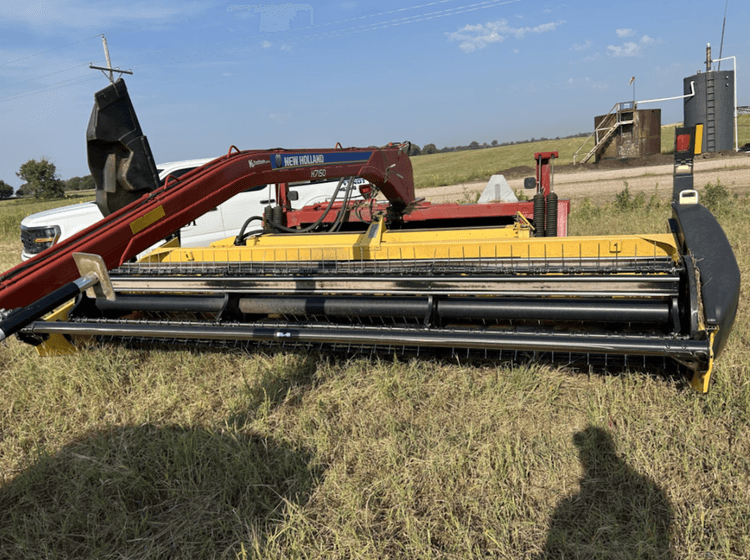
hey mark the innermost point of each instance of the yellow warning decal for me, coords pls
(147, 219)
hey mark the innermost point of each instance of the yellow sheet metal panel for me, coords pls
(147, 219)
(57, 344)
(378, 244)
(702, 379)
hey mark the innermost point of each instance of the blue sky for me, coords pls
(208, 74)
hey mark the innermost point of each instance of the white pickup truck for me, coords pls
(43, 229)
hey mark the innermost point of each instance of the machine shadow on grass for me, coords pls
(618, 512)
(152, 491)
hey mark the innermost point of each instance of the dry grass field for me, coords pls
(453, 168)
(116, 453)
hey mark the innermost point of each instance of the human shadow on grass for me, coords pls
(153, 491)
(618, 513)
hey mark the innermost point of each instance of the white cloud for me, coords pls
(266, 44)
(586, 83)
(588, 58)
(227, 74)
(599, 86)
(286, 48)
(625, 33)
(543, 28)
(473, 37)
(631, 48)
(280, 118)
(516, 51)
(626, 50)
(583, 47)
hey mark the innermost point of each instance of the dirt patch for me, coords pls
(518, 172)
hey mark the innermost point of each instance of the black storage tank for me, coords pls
(713, 107)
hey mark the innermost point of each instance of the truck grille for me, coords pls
(36, 240)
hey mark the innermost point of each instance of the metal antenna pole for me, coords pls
(723, 26)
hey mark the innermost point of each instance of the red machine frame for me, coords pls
(423, 211)
(132, 229)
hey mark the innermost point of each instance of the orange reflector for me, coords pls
(683, 142)
(44, 240)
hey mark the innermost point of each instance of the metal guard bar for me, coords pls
(682, 350)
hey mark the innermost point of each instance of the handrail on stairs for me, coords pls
(616, 109)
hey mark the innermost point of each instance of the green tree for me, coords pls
(41, 177)
(73, 184)
(429, 149)
(6, 191)
(80, 183)
(414, 150)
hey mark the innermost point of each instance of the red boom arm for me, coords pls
(125, 233)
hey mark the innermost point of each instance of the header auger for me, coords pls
(400, 275)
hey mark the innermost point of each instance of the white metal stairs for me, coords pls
(610, 124)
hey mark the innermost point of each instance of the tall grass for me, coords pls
(116, 453)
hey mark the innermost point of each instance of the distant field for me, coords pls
(452, 168)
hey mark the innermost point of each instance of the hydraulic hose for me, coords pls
(23, 316)
(241, 235)
(317, 222)
(338, 222)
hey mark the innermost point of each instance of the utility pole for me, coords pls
(109, 68)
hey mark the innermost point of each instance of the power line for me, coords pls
(205, 49)
(43, 76)
(375, 25)
(48, 50)
(385, 13)
(57, 85)
(412, 19)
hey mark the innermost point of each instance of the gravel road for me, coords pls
(603, 185)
